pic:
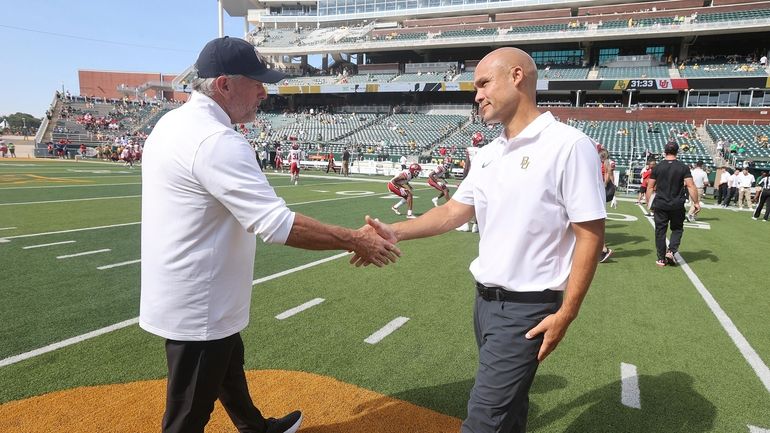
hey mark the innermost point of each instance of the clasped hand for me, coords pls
(377, 245)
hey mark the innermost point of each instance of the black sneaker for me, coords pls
(605, 255)
(288, 424)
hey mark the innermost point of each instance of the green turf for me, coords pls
(692, 376)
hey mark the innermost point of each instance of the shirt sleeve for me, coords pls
(464, 193)
(226, 166)
(581, 189)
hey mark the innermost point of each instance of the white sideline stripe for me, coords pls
(300, 308)
(70, 186)
(748, 352)
(298, 268)
(755, 429)
(386, 330)
(48, 245)
(72, 230)
(70, 200)
(135, 320)
(7, 228)
(85, 253)
(629, 386)
(115, 265)
(67, 342)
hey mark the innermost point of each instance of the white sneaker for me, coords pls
(463, 228)
(410, 216)
(435, 201)
(395, 211)
(475, 228)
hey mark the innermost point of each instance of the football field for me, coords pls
(675, 349)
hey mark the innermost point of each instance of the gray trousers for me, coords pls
(499, 400)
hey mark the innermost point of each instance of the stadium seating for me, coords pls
(634, 72)
(747, 137)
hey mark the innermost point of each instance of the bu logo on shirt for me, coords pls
(524, 162)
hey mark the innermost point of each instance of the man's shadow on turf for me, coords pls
(668, 404)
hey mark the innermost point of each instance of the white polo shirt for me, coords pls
(526, 191)
(203, 199)
(745, 180)
(699, 177)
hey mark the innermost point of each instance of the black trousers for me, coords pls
(732, 192)
(199, 372)
(499, 400)
(722, 195)
(663, 220)
(763, 198)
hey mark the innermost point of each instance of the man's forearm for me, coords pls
(589, 241)
(310, 234)
(434, 222)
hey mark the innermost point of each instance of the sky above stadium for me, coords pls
(43, 43)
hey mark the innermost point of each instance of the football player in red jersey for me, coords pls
(437, 179)
(295, 156)
(399, 186)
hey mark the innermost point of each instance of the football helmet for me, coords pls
(415, 169)
(447, 165)
(477, 138)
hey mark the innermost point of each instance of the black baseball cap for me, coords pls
(234, 56)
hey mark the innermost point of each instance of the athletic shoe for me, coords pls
(435, 201)
(689, 218)
(395, 211)
(660, 263)
(754, 218)
(605, 255)
(475, 228)
(410, 216)
(288, 424)
(670, 259)
(463, 228)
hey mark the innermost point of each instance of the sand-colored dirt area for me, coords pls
(328, 405)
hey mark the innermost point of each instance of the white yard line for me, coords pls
(115, 265)
(135, 320)
(7, 228)
(300, 308)
(71, 230)
(70, 186)
(67, 342)
(85, 253)
(48, 245)
(386, 330)
(298, 268)
(748, 352)
(755, 429)
(629, 386)
(71, 200)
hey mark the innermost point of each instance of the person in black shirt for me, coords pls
(669, 179)
(764, 196)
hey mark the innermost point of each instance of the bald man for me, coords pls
(539, 203)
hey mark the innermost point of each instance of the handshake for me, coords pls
(374, 244)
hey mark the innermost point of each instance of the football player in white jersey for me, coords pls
(399, 186)
(295, 156)
(437, 179)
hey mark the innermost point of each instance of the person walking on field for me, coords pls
(669, 180)
(204, 202)
(539, 202)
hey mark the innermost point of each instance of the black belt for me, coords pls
(500, 294)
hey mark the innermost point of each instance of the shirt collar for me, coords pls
(531, 131)
(202, 101)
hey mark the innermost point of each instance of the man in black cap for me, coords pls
(669, 179)
(203, 200)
